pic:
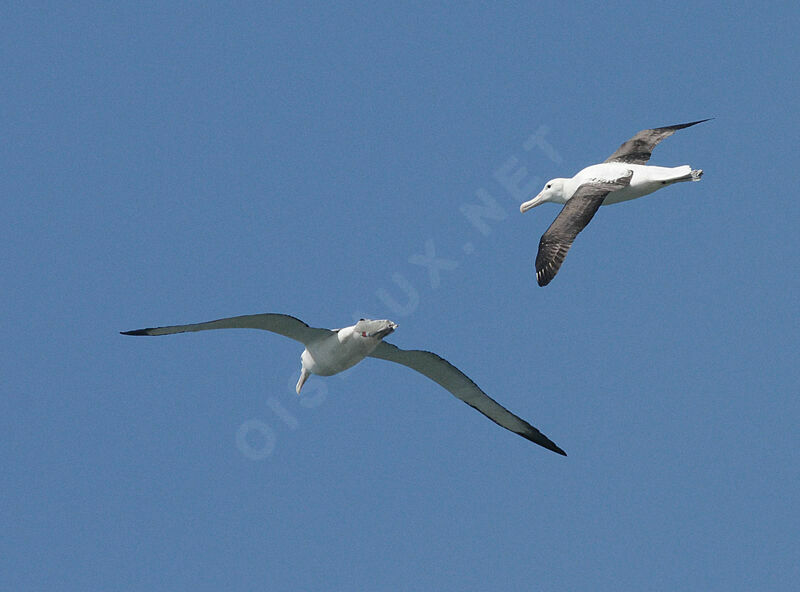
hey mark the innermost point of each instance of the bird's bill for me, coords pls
(375, 329)
(385, 331)
(531, 204)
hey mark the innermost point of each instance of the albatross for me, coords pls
(623, 176)
(329, 352)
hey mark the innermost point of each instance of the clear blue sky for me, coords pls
(170, 163)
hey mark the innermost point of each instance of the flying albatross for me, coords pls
(623, 176)
(329, 352)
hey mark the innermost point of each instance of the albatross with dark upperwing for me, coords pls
(329, 352)
(623, 176)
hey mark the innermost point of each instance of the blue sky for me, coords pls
(183, 162)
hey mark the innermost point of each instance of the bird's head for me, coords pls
(374, 329)
(553, 191)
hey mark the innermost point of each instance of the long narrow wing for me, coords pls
(443, 372)
(574, 217)
(281, 324)
(638, 149)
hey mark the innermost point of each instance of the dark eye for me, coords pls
(548, 187)
(360, 319)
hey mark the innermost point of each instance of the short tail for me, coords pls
(690, 176)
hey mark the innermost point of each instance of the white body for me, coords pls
(337, 352)
(646, 179)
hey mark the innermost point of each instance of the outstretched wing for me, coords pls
(281, 324)
(574, 217)
(443, 372)
(638, 149)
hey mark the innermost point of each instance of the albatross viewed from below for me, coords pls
(623, 176)
(329, 352)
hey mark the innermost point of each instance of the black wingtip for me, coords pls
(546, 274)
(136, 332)
(539, 438)
(552, 446)
(690, 124)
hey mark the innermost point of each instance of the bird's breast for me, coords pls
(337, 352)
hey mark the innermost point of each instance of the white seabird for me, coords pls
(603, 184)
(329, 352)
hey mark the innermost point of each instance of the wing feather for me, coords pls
(459, 384)
(281, 324)
(638, 149)
(574, 216)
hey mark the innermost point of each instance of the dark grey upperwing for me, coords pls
(281, 324)
(443, 372)
(638, 149)
(574, 217)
